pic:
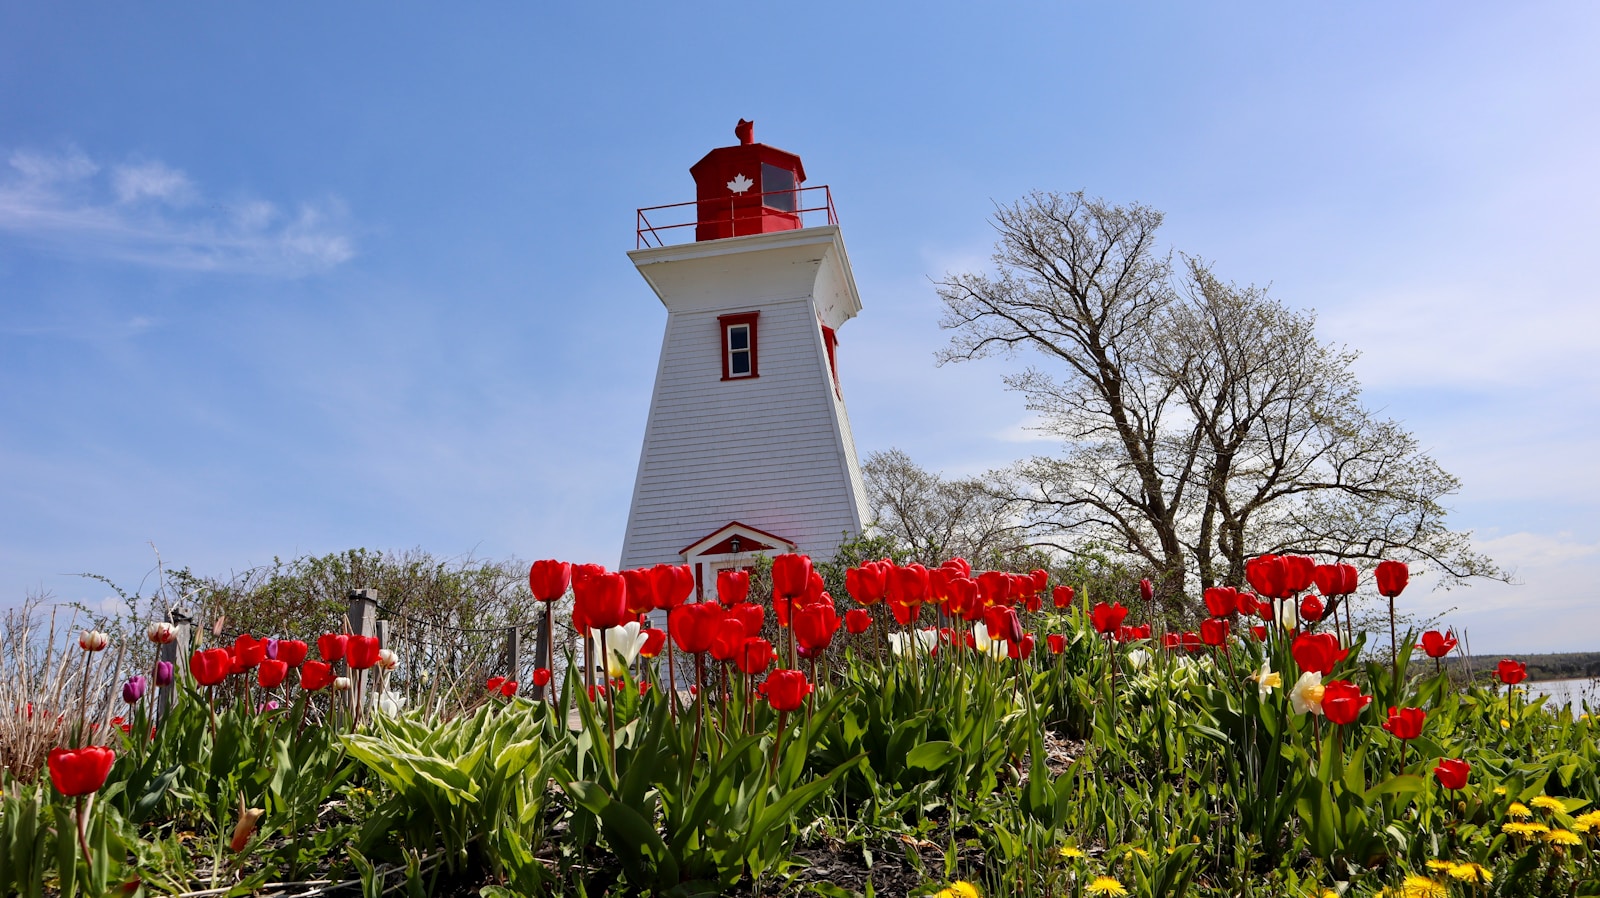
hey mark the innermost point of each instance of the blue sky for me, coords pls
(299, 278)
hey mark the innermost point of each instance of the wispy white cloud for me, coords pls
(150, 214)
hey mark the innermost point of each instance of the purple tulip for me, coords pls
(163, 673)
(133, 690)
(272, 648)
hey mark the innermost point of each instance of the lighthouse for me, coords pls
(747, 448)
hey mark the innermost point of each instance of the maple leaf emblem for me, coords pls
(740, 184)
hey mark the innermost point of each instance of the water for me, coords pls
(1574, 692)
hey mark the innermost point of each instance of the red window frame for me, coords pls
(831, 341)
(726, 323)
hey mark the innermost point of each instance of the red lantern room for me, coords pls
(746, 189)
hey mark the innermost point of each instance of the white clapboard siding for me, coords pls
(774, 451)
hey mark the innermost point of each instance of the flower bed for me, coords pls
(954, 733)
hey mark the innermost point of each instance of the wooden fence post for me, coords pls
(541, 648)
(363, 618)
(175, 653)
(513, 652)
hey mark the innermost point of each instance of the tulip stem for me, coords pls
(611, 701)
(777, 741)
(1394, 650)
(82, 815)
(672, 666)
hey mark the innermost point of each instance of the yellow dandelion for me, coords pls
(1561, 837)
(1105, 885)
(1470, 872)
(1423, 887)
(1549, 804)
(1071, 851)
(1585, 822)
(1518, 809)
(963, 889)
(1499, 790)
(1139, 851)
(1517, 829)
(1505, 724)
(1440, 865)
(1329, 893)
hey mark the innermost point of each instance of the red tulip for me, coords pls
(1062, 596)
(493, 684)
(582, 572)
(694, 626)
(1403, 723)
(994, 587)
(814, 625)
(292, 652)
(1213, 631)
(1192, 641)
(1246, 603)
(911, 582)
(959, 564)
(331, 646)
(1057, 643)
(361, 652)
(1002, 622)
(1392, 577)
(786, 690)
(548, 580)
(1106, 618)
(1146, 590)
(674, 584)
(751, 615)
(541, 675)
(1171, 641)
(1317, 652)
(755, 656)
(791, 576)
(963, 597)
(903, 614)
(1021, 649)
(639, 585)
(866, 583)
(249, 651)
(508, 688)
(81, 771)
(1268, 575)
(1041, 579)
(1259, 631)
(211, 666)
(1437, 644)
(601, 600)
(1452, 773)
(1311, 609)
(1510, 672)
(1301, 571)
(654, 639)
(271, 673)
(727, 638)
(1221, 601)
(1342, 701)
(733, 587)
(857, 620)
(316, 675)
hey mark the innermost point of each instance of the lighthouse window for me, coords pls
(738, 345)
(778, 186)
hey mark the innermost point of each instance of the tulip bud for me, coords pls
(93, 640)
(341, 684)
(161, 632)
(387, 659)
(133, 689)
(163, 673)
(246, 827)
(1146, 589)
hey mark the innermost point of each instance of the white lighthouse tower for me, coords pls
(748, 447)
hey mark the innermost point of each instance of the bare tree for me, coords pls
(935, 518)
(1203, 422)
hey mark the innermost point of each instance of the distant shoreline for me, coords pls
(1553, 666)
